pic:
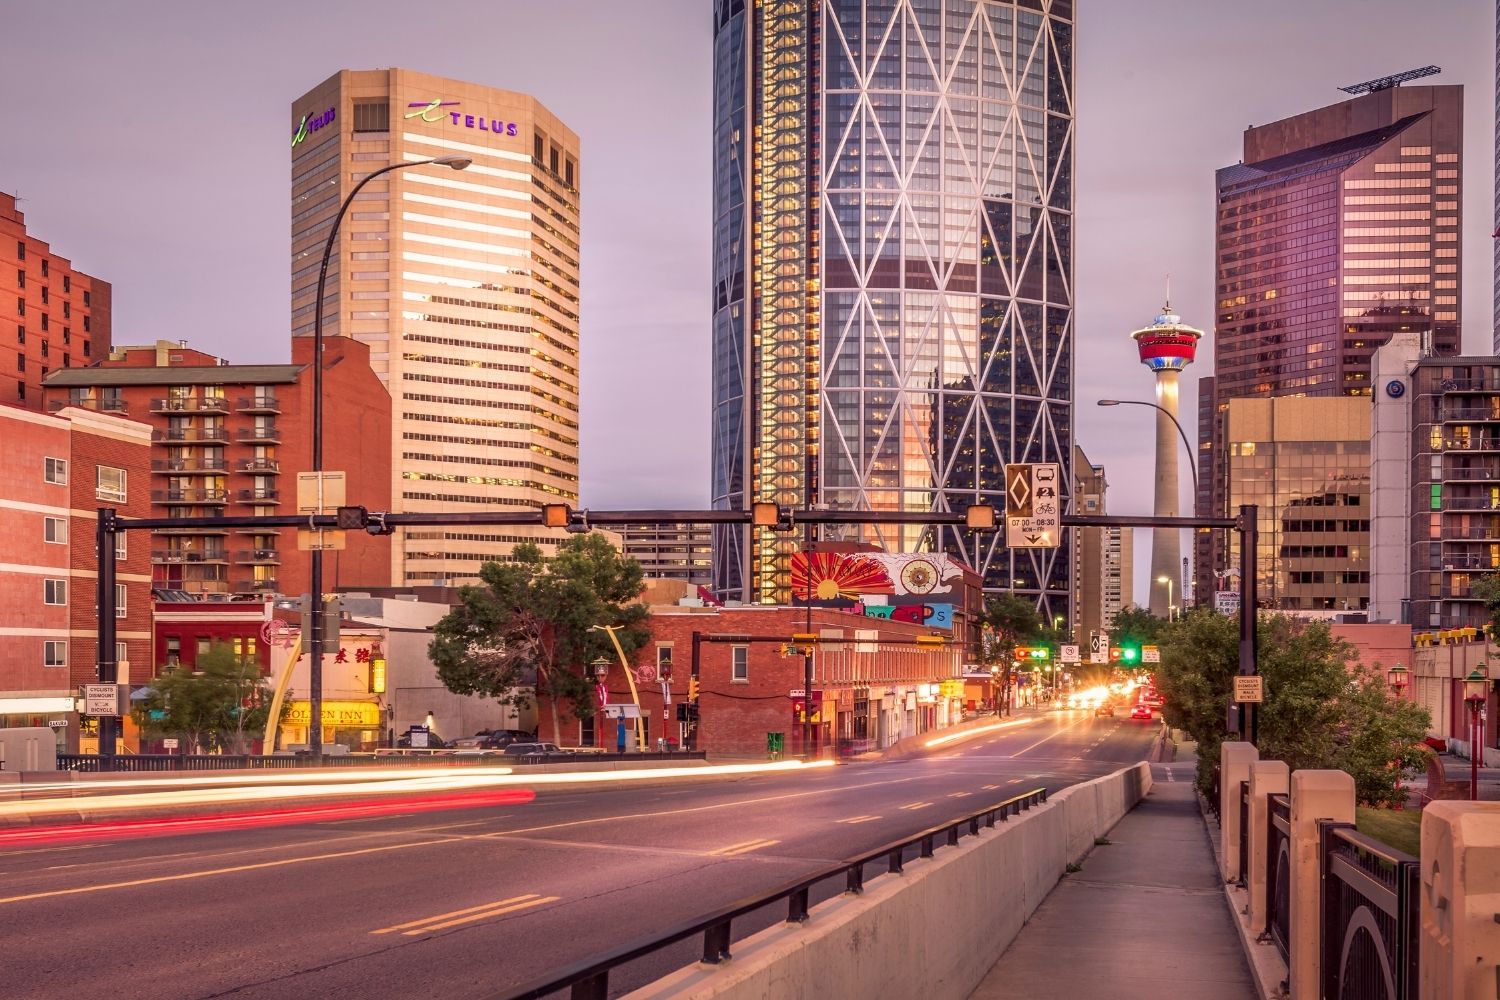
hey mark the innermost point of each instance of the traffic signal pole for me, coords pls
(108, 666)
(1243, 716)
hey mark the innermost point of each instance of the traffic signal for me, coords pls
(930, 641)
(1033, 653)
(1125, 656)
(692, 689)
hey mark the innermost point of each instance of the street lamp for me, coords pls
(601, 675)
(995, 688)
(1476, 691)
(315, 641)
(1192, 465)
(1168, 581)
(1398, 677)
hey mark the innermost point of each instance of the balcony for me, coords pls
(109, 404)
(1469, 385)
(191, 404)
(258, 435)
(260, 466)
(1472, 534)
(1457, 594)
(191, 495)
(260, 403)
(1472, 475)
(188, 466)
(1464, 563)
(191, 435)
(258, 557)
(1482, 443)
(196, 532)
(190, 556)
(256, 586)
(259, 496)
(1467, 414)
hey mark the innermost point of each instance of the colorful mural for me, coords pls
(903, 587)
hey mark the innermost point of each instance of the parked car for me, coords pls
(434, 741)
(532, 749)
(1141, 711)
(493, 739)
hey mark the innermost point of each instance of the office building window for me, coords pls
(110, 484)
(57, 471)
(739, 664)
(55, 592)
(55, 530)
(55, 653)
(372, 116)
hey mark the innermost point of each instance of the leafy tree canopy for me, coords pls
(1136, 626)
(1323, 708)
(219, 706)
(1486, 587)
(529, 626)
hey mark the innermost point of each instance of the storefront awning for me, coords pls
(37, 706)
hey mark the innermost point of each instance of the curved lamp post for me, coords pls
(315, 640)
(1192, 461)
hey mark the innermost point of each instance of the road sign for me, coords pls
(1033, 505)
(1248, 689)
(1068, 654)
(1227, 602)
(170, 743)
(317, 495)
(101, 699)
(1099, 647)
(1150, 654)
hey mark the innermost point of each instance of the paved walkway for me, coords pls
(1145, 918)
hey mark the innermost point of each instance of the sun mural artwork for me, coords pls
(829, 576)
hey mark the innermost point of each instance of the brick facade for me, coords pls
(880, 689)
(51, 316)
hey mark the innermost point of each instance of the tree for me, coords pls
(213, 707)
(1323, 708)
(1487, 588)
(530, 626)
(1008, 620)
(1136, 626)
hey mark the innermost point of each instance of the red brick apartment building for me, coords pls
(55, 472)
(230, 440)
(51, 316)
(873, 690)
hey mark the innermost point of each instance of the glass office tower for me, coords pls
(892, 271)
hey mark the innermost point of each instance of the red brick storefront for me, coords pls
(866, 694)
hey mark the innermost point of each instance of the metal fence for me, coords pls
(1371, 901)
(589, 979)
(1278, 871)
(141, 763)
(1244, 868)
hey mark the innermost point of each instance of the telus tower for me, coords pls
(892, 271)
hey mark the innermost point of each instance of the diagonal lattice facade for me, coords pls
(892, 267)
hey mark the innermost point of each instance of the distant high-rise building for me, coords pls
(1101, 575)
(1340, 229)
(464, 286)
(892, 271)
(670, 551)
(1166, 347)
(61, 316)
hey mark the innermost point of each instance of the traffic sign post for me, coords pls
(1033, 508)
(102, 700)
(1068, 654)
(1150, 654)
(1248, 689)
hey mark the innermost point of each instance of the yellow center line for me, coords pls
(483, 916)
(958, 795)
(990, 788)
(79, 890)
(857, 819)
(455, 913)
(916, 805)
(745, 848)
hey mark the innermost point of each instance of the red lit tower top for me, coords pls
(1167, 344)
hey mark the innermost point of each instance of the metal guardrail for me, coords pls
(1371, 916)
(92, 763)
(589, 979)
(1278, 872)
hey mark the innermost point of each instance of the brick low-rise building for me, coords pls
(56, 471)
(868, 692)
(230, 440)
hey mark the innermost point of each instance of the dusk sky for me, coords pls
(149, 143)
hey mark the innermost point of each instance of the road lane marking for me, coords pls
(742, 848)
(185, 876)
(959, 795)
(916, 805)
(442, 921)
(1015, 781)
(990, 788)
(856, 819)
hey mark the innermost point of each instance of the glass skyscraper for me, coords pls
(892, 271)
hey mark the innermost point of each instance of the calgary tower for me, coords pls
(1167, 346)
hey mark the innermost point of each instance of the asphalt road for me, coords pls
(467, 903)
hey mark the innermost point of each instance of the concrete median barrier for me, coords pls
(932, 931)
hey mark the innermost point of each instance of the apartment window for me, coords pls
(55, 592)
(119, 600)
(67, 283)
(45, 324)
(174, 650)
(85, 298)
(57, 471)
(122, 653)
(739, 664)
(20, 306)
(20, 333)
(45, 299)
(536, 147)
(109, 484)
(119, 545)
(55, 530)
(44, 267)
(46, 352)
(20, 278)
(20, 390)
(86, 345)
(55, 653)
(20, 362)
(20, 250)
(86, 324)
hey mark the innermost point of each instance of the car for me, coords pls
(434, 741)
(494, 739)
(532, 749)
(1141, 711)
(1105, 709)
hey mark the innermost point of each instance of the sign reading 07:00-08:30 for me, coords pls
(1033, 505)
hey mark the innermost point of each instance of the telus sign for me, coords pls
(432, 111)
(310, 123)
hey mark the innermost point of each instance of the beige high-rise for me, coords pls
(465, 286)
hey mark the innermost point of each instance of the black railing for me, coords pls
(1371, 899)
(1244, 871)
(589, 979)
(1279, 872)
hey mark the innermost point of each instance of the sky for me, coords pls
(148, 143)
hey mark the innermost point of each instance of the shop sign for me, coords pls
(335, 713)
(952, 689)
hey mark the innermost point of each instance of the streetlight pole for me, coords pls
(1168, 581)
(315, 584)
(1476, 690)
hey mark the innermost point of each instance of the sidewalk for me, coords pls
(1145, 918)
